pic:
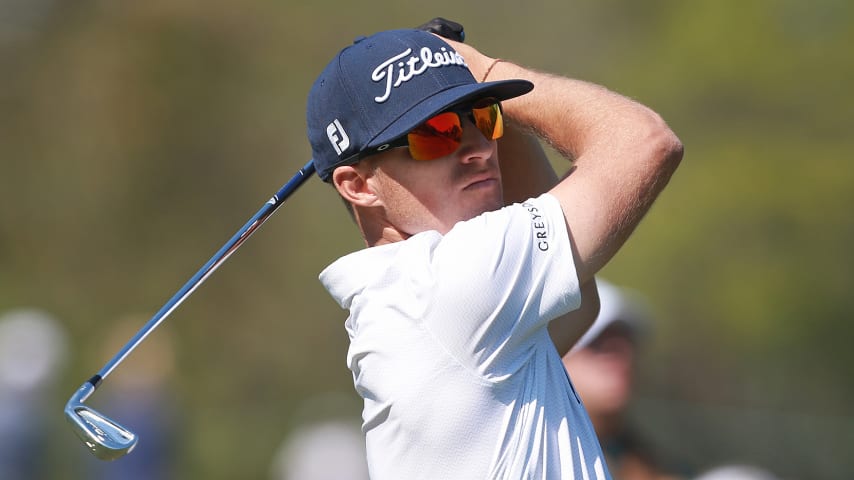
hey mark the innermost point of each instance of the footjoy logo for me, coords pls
(395, 71)
(337, 136)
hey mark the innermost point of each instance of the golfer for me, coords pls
(480, 269)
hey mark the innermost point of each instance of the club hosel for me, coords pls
(95, 381)
(83, 392)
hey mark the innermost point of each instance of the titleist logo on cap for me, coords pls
(395, 71)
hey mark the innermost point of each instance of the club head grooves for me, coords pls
(105, 438)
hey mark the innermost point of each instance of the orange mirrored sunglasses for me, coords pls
(442, 134)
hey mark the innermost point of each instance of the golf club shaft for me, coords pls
(221, 256)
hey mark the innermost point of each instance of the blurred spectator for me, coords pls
(33, 347)
(332, 450)
(139, 396)
(602, 368)
(327, 444)
(736, 472)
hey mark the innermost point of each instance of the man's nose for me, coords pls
(474, 144)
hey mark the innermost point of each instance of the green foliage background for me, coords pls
(136, 137)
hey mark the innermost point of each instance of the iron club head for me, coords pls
(105, 438)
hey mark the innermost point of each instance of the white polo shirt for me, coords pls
(450, 351)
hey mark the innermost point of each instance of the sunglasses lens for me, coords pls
(442, 134)
(488, 119)
(437, 137)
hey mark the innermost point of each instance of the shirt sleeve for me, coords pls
(500, 278)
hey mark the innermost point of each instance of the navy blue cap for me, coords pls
(381, 87)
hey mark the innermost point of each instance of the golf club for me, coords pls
(109, 440)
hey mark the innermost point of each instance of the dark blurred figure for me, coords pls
(602, 368)
(139, 396)
(33, 347)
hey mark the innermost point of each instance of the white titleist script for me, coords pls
(415, 65)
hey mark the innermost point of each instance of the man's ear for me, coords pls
(352, 184)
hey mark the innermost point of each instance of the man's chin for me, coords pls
(485, 205)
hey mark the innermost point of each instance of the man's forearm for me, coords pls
(525, 169)
(623, 155)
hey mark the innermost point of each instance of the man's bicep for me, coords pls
(592, 222)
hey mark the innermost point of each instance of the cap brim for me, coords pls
(501, 90)
(618, 306)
